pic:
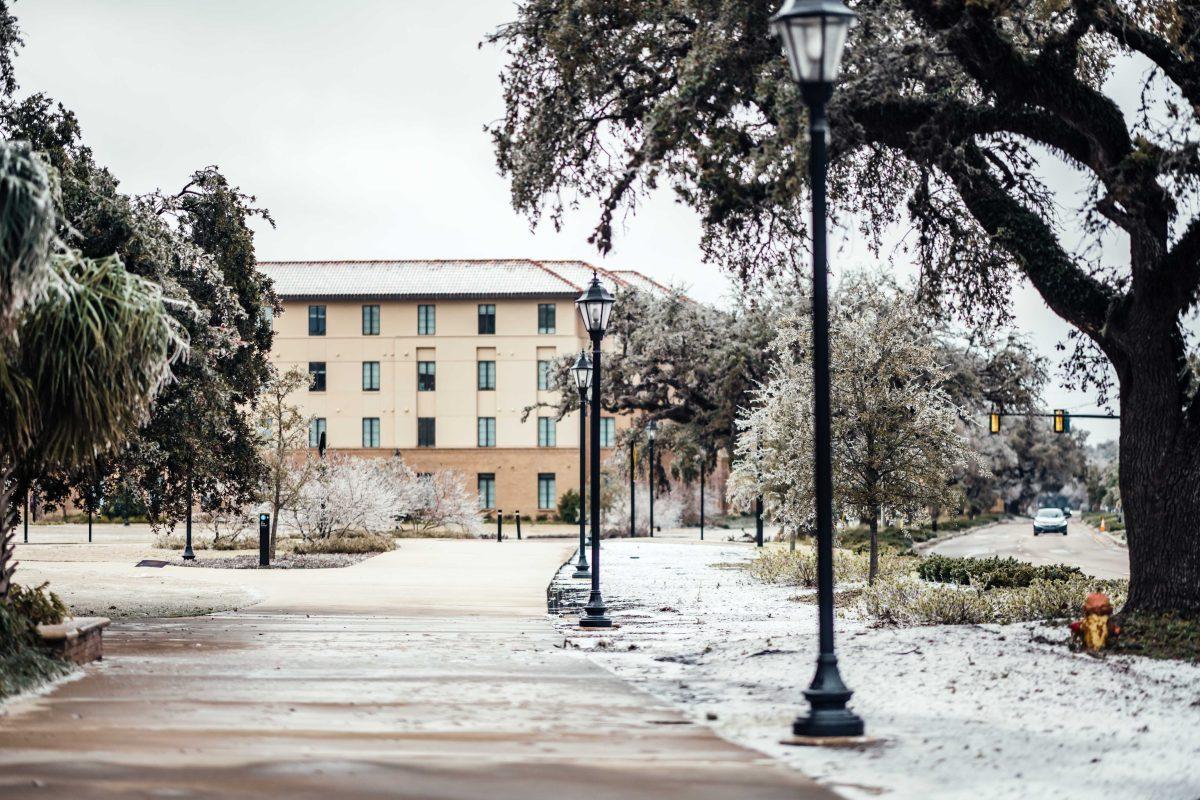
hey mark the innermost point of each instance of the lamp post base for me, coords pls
(827, 698)
(595, 618)
(188, 555)
(582, 572)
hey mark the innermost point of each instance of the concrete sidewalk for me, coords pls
(431, 672)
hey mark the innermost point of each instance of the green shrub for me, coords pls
(346, 543)
(568, 506)
(23, 662)
(905, 600)
(992, 572)
(38, 605)
(799, 567)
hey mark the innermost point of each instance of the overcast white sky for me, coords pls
(359, 124)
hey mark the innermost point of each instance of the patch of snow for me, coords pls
(964, 711)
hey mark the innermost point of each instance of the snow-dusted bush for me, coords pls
(230, 529)
(439, 499)
(908, 600)
(614, 514)
(347, 495)
(799, 567)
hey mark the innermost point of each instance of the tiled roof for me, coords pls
(450, 278)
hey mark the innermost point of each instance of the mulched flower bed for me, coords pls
(282, 561)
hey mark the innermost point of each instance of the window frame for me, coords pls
(426, 425)
(490, 316)
(608, 431)
(317, 317)
(479, 373)
(485, 432)
(371, 319)
(549, 480)
(314, 374)
(547, 312)
(486, 500)
(426, 319)
(544, 370)
(547, 434)
(317, 426)
(371, 440)
(372, 369)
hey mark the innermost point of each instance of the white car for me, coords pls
(1049, 520)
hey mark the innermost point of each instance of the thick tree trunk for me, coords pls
(1160, 482)
(873, 523)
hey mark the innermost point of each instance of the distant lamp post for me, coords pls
(651, 435)
(188, 554)
(595, 308)
(814, 34)
(581, 371)
(703, 459)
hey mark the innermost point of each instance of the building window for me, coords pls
(426, 376)
(426, 432)
(487, 318)
(546, 317)
(370, 432)
(268, 315)
(426, 320)
(547, 432)
(487, 376)
(316, 320)
(547, 494)
(544, 375)
(370, 320)
(370, 376)
(486, 481)
(316, 376)
(608, 432)
(315, 429)
(487, 432)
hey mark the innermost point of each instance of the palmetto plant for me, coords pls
(84, 348)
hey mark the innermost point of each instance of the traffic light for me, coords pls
(993, 423)
(1062, 421)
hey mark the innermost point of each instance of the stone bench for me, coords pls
(78, 639)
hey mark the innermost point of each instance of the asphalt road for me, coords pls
(1093, 552)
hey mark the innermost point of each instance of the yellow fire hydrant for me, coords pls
(1096, 626)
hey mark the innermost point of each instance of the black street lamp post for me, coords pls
(595, 307)
(703, 458)
(581, 371)
(813, 34)
(651, 435)
(188, 555)
(632, 487)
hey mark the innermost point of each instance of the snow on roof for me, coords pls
(442, 278)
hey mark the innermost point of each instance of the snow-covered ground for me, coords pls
(980, 712)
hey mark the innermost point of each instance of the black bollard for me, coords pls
(758, 521)
(499, 525)
(518, 515)
(264, 540)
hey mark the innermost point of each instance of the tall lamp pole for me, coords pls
(632, 487)
(595, 307)
(581, 371)
(703, 458)
(814, 34)
(652, 434)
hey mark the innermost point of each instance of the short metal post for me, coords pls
(702, 501)
(264, 540)
(89, 526)
(499, 525)
(25, 519)
(758, 521)
(188, 555)
(518, 515)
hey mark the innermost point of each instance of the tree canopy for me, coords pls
(948, 117)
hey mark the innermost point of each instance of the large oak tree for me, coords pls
(949, 114)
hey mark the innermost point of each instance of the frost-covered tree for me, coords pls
(435, 500)
(896, 445)
(346, 495)
(284, 431)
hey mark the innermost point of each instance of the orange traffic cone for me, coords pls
(1103, 525)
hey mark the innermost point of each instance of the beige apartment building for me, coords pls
(438, 361)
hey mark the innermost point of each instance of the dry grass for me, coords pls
(345, 543)
(799, 567)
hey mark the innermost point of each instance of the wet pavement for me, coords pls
(431, 672)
